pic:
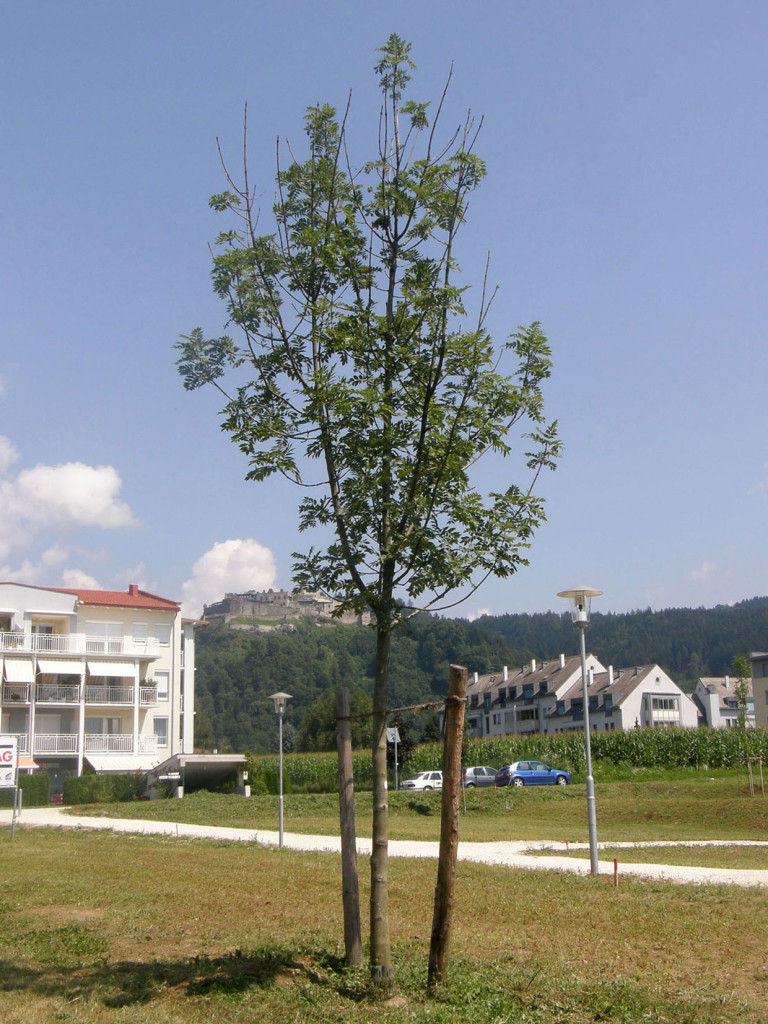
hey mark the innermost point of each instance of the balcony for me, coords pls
(54, 693)
(112, 695)
(95, 743)
(16, 693)
(79, 643)
(68, 693)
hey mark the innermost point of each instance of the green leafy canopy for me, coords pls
(359, 373)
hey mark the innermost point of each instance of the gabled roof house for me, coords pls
(639, 697)
(547, 697)
(718, 703)
(519, 700)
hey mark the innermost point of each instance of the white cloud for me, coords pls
(229, 566)
(77, 579)
(479, 614)
(72, 494)
(8, 455)
(60, 497)
(704, 572)
(48, 502)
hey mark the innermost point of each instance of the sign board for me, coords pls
(393, 736)
(9, 761)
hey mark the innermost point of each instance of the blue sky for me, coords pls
(624, 208)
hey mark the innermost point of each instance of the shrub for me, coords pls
(103, 788)
(35, 791)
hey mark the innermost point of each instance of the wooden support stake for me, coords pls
(353, 943)
(449, 828)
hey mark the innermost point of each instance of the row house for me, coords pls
(95, 678)
(718, 702)
(548, 697)
(643, 697)
(519, 701)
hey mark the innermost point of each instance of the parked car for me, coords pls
(424, 780)
(479, 776)
(531, 773)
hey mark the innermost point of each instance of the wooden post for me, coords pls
(449, 828)
(353, 944)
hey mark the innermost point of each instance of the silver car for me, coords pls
(479, 776)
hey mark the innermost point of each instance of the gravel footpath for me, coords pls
(513, 854)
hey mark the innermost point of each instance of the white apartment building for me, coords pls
(548, 697)
(97, 678)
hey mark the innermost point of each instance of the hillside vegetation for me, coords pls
(237, 669)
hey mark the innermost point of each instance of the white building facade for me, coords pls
(548, 697)
(94, 678)
(719, 702)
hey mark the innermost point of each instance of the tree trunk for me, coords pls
(353, 943)
(381, 955)
(442, 918)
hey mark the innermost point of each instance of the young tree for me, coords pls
(743, 672)
(359, 377)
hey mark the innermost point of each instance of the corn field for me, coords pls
(638, 748)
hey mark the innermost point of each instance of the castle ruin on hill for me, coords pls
(272, 607)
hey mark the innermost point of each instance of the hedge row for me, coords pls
(103, 789)
(639, 748)
(35, 791)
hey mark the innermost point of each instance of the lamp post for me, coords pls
(581, 600)
(280, 700)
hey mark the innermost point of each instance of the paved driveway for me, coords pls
(514, 854)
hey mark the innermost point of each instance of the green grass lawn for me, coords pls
(745, 858)
(674, 806)
(108, 928)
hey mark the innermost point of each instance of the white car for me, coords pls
(424, 780)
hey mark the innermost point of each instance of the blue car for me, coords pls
(531, 773)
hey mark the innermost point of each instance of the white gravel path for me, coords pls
(514, 854)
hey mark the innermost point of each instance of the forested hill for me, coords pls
(686, 642)
(237, 669)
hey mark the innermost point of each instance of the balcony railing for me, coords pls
(78, 643)
(95, 743)
(16, 693)
(68, 693)
(109, 695)
(55, 743)
(54, 693)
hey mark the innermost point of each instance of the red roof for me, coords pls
(132, 598)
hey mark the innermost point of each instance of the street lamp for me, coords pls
(581, 600)
(280, 700)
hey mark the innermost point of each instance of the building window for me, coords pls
(526, 715)
(161, 731)
(104, 637)
(161, 682)
(163, 634)
(663, 710)
(102, 726)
